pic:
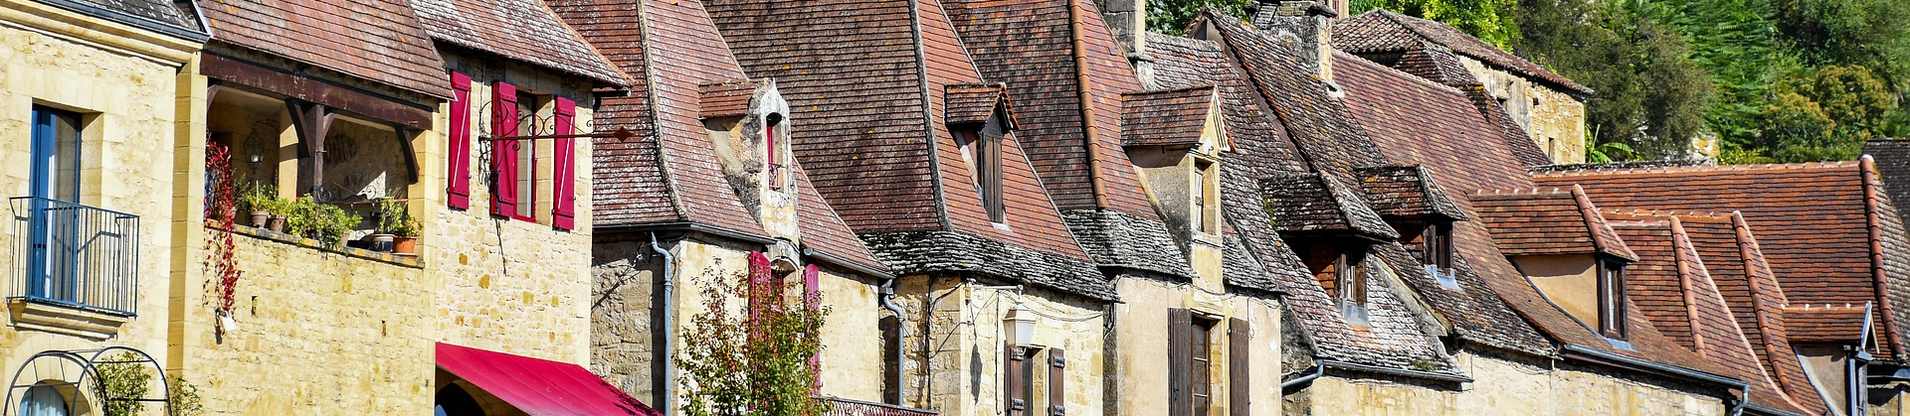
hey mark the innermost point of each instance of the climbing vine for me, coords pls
(221, 204)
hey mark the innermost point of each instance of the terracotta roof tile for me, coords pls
(1547, 222)
(725, 98)
(975, 103)
(1819, 226)
(875, 137)
(1416, 119)
(1166, 117)
(1824, 323)
(1672, 287)
(1322, 127)
(522, 30)
(377, 41)
(1386, 31)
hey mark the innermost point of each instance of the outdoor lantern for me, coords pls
(1019, 325)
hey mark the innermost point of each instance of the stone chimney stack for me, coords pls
(1128, 20)
(1305, 23)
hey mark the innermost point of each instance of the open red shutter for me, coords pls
(564, 188)
(458, 191)
(758, 294)
(504, 152)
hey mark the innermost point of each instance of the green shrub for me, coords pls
(395, 218)
(323, 222)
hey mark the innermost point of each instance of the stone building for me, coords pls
(95, 98)
(1549, 107)
(365, 111)
(705, 192)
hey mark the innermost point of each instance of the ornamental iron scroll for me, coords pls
(84, 376)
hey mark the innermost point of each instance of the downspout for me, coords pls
(887, 300)
(1319, 368)
(668, 302)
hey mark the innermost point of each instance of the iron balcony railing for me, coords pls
(846, 407)
(74, 255)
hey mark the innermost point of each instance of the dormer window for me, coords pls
(1206, 181)
(1350, 275)
(1611, 299)
(775, 132)
(1436, 246)
(981, 145)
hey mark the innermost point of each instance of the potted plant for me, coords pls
(395, 221)
(280, 210)
(258, 200)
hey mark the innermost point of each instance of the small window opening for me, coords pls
(774, 135)
(1437, 246)
(1611, 299)
(982, 148)
(1200, 369)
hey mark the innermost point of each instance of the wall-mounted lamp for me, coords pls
(254, 158)
(1019, 325)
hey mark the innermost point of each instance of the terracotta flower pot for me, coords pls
(276, 224)
(259, 218)
(405, 245)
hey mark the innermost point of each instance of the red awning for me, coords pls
(536, 386)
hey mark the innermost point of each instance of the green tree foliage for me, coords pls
(1825, 114)
(1489, 20)
(1651, 95)
(754, 362)
(1171, 16)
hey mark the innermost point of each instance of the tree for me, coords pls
(1651, 95)
(1825, 114)
(1171, 16)
(754, 363)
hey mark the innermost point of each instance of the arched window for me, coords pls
(454, 401)
(43, 401)
(774, 133)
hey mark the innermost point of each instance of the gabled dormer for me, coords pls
(1175, 138)
(1561, 243)
(748, 125)
(1332, 229)
(1422, 213)
(978, 118)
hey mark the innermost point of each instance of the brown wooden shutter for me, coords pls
(1057, 383)
(1014, 383)
(1239, 361)
(1180, 398)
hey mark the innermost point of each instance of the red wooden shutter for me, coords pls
(1057, 383)
(563, 211)
(1180, 400)
(1239, 362)
(758, 296)
(504, 152)
(812, 300)
(458, 191)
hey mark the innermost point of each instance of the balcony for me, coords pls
(846, 407)
(75, 256)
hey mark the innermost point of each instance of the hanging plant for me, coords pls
(222, 255)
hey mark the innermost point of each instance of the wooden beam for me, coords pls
(296, 86)
(411, 156)
(312, 121)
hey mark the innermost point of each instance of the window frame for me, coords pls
(528, 104)
(984, 154)
(1436, 246)
(1611, 299)
(1207, 196)
(1200, 361)
(775, 158)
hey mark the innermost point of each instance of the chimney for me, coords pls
(1128, 20)
(1307, 25)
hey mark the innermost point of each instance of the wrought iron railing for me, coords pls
(75, 255)
(846, 407)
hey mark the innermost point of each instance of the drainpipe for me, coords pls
(668, 300)
(887, 300)
(1289, 386)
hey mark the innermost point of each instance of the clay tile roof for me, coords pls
(725, 98)
(172, 18)
(1308, 202)
(1820, 226)
(1672, 287)
(377, 41)
(1386, 31)
(1167, 117)
(975, 103)
(1548, 221)
(1824, 323)
(867, 81)
(1412, 118)
(522, 30)
(1730, 252)
(1407, 191)
(1392, 337)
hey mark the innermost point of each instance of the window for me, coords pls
(982, 148)
(526, 156)
(1204, 218)
(774, 134)
(56, 155)
(43, 401)
(1611, 299)
(56, 224)
(1436, 247)
(891, 366)
(1350, 279)
(1200, 365)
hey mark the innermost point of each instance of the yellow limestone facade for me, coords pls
(1555, 119)
(1506, 387)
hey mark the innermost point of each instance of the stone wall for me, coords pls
(1506, 387)
(955, 348)
(1554, 119)
(1141, 325)
(127, 86)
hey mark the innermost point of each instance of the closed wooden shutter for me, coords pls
(812, 300)
(1014, 381)
(458, 190)
(564, 185)
(504, 152)
(1239, 362)
(1180, 398)
(1057, 383)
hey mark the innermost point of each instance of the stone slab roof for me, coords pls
(1312, 203)
(869, 80)
(1166, 117)
(1406, 191)
(1548, 222)
(1386, 31)
(668, 173)
(375, 41)
(177, 19)
(1820, 226)
(521, 30)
